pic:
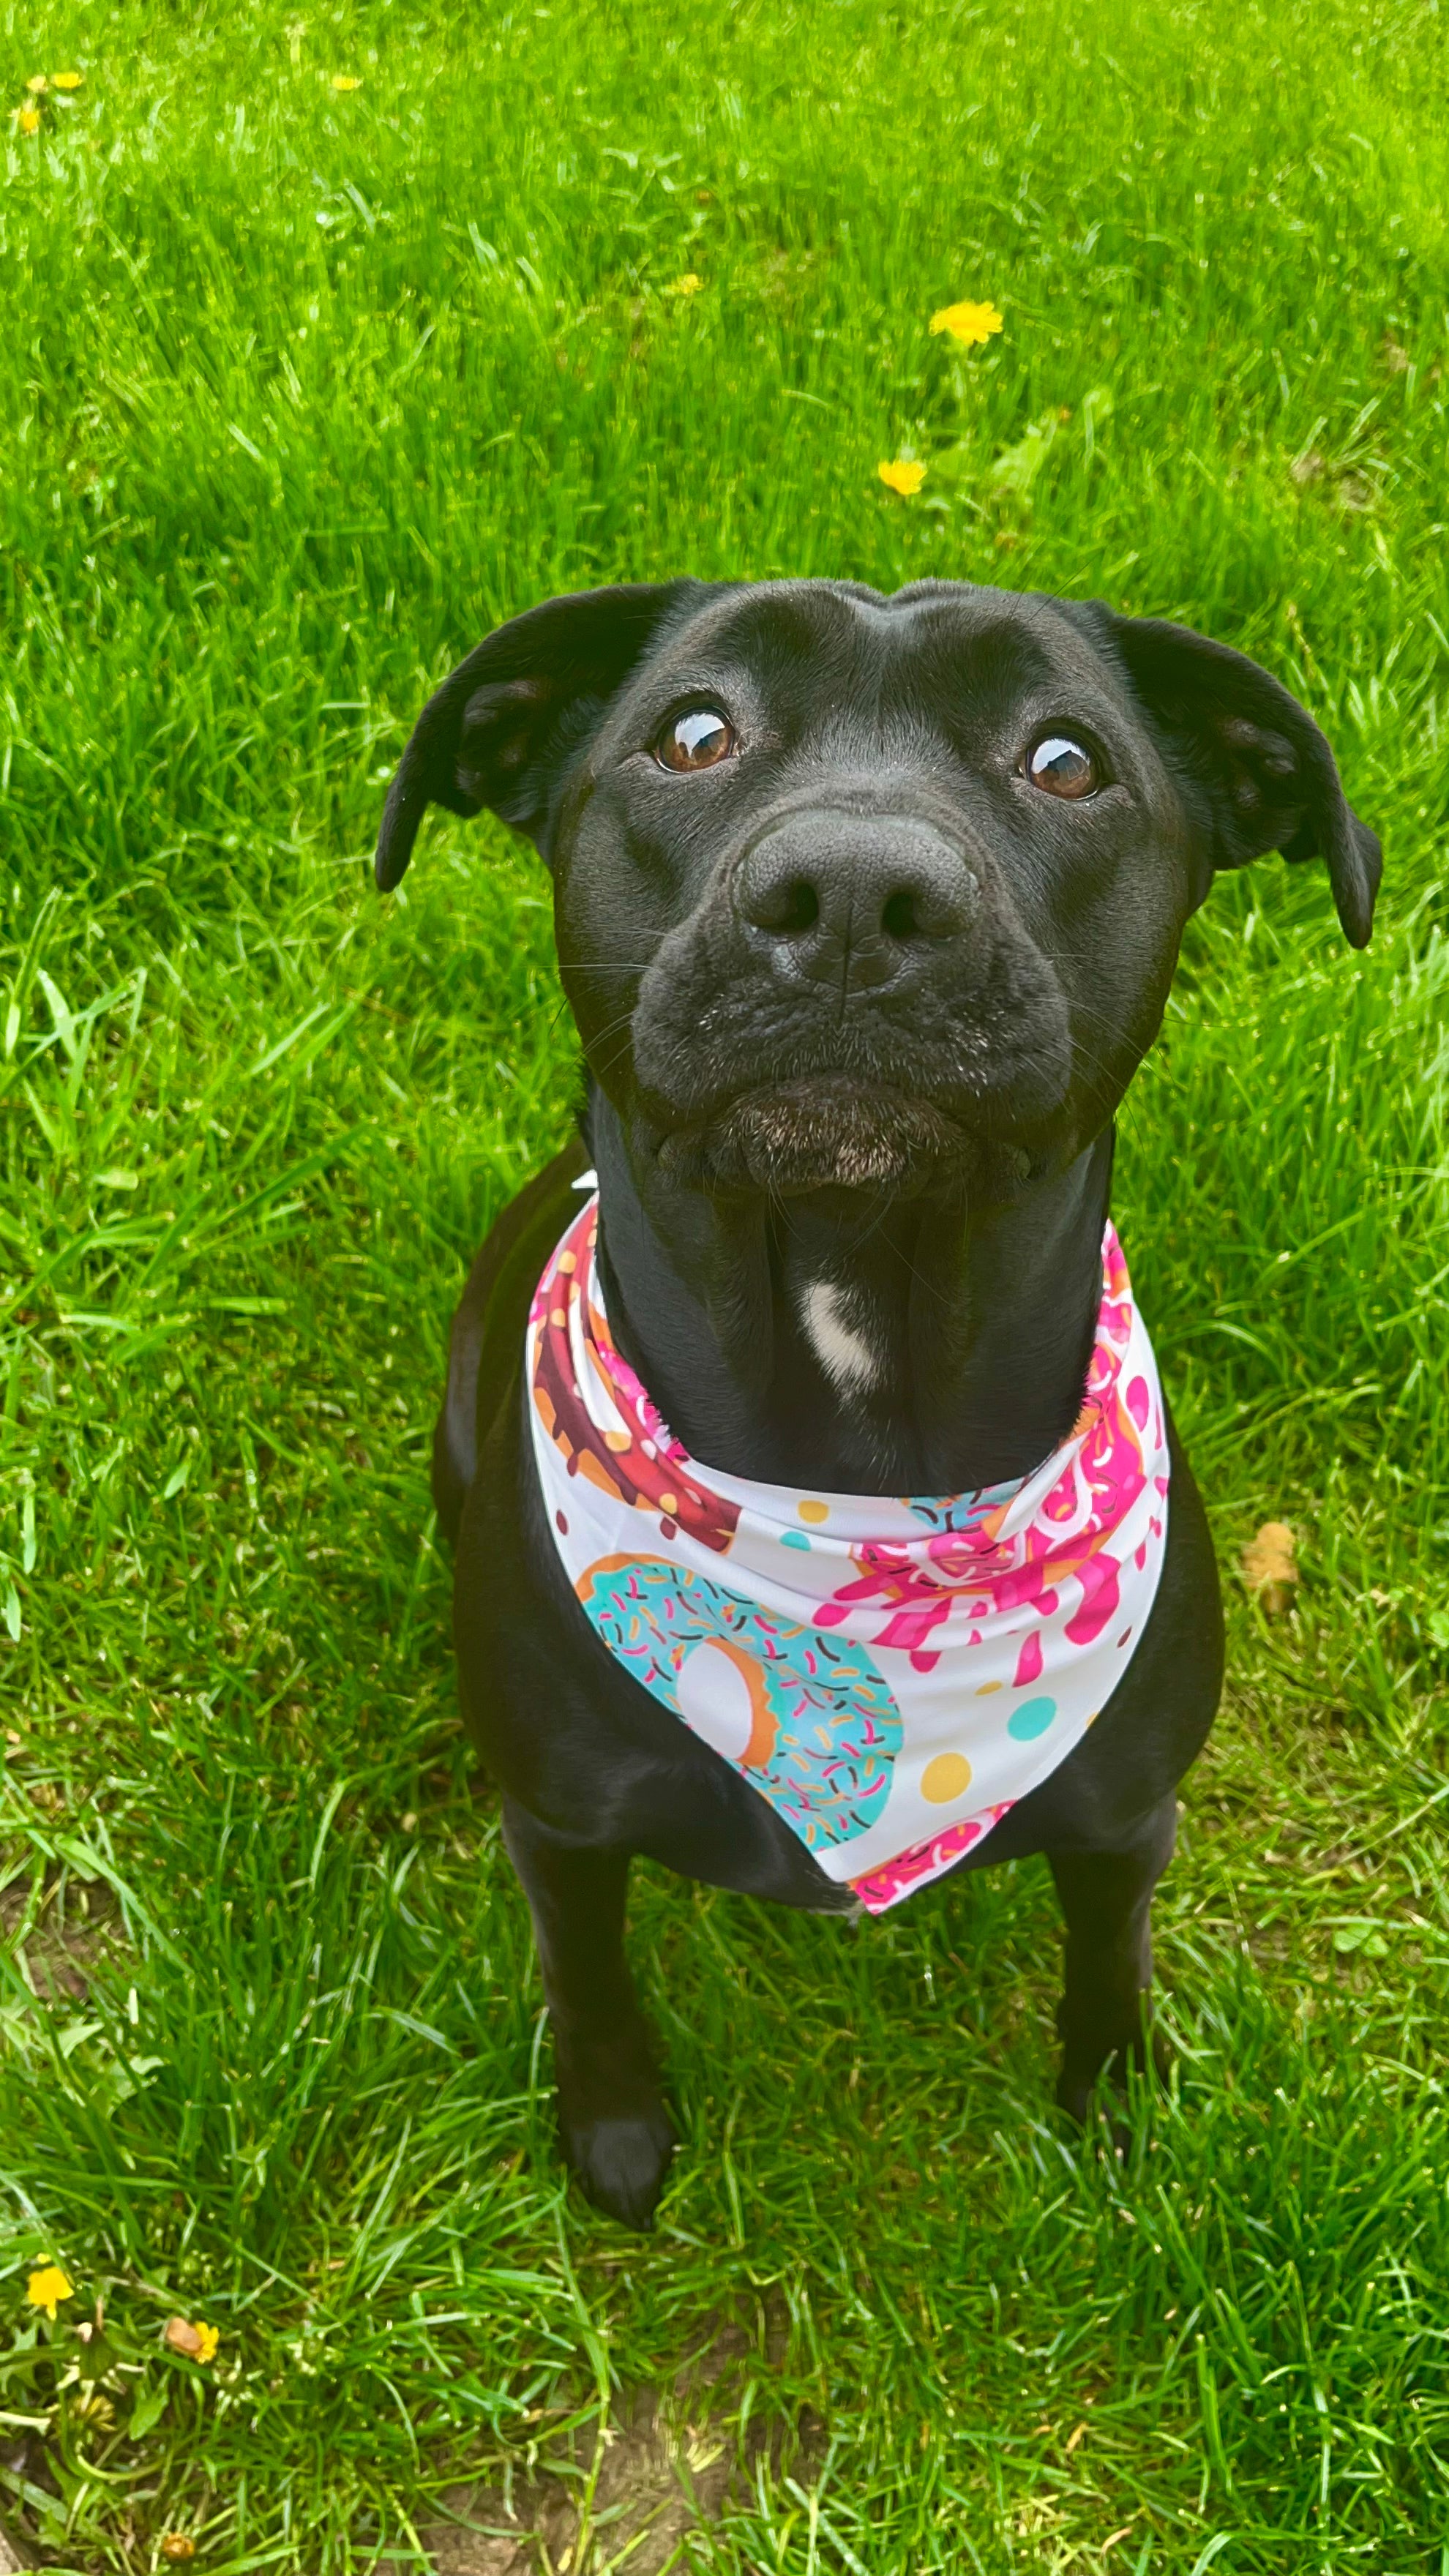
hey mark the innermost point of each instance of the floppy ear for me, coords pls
(1264, 776)
(481, 738)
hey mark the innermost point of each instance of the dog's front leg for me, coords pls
(1107, 1900)
(615, 2130)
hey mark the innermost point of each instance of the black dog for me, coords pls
(867, 911)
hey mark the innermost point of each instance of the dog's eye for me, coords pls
(1061, 767)
(696, 740)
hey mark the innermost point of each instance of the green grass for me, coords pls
(300, 391)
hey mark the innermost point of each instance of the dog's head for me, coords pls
(860, 892)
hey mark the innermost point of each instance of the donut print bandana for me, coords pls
(892, 1675)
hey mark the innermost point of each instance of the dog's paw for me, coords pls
(1093, 2103)
(622, 2163)
(1085, 2085)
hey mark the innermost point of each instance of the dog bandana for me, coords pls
(892, 1675)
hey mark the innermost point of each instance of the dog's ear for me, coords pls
(1258, 770)
(482, 736)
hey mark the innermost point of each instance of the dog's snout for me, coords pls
(853, 899)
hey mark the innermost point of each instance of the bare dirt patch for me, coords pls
(15, 2558)
(61, 1936)
(672, 2463)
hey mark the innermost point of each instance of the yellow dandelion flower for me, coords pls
(688, 284)
(345, 81)
(91, 2407)
(903, 476)
(28, 119)
(176, 2548)
(37, 84)
(207, 2340)
(48, 2289)
(66, 80)
(972, 324)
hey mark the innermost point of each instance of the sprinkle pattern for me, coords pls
(806, 1716)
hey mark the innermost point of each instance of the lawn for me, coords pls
(304, 385)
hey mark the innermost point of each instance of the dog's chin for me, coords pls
(819, 1134)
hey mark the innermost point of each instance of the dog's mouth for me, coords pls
(816, 1133)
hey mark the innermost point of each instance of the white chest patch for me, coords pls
(843, 1353)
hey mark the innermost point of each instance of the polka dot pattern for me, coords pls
(946, 1776)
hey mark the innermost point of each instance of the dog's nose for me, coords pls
(854, 900)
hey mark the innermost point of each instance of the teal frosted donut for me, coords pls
(808, 1717)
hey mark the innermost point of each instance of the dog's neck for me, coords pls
(911, 1348)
